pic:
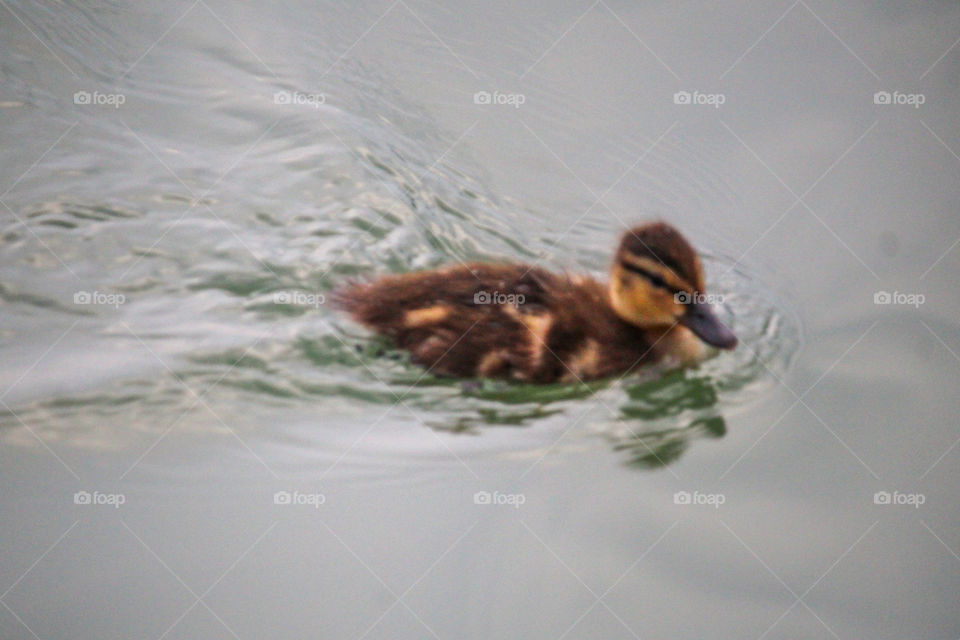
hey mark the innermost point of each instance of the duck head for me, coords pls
(656, 281)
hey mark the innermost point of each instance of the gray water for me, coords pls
(197, 445)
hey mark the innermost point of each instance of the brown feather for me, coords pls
(562, 328)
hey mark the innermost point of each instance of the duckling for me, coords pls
(523, 322)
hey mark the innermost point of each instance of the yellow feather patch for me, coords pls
(428, 315)
(492, 361)
(585, 361)
(539, 327)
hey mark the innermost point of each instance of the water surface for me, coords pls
(184, 184)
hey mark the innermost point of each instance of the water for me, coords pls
(208, 173)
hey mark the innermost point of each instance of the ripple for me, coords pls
(655, 413)
(364, 185)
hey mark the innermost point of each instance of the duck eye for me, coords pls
(657, 281)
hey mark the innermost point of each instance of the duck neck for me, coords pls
(676, 344)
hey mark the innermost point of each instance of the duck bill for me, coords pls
(701, 320)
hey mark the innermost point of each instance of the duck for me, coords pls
(519, 321)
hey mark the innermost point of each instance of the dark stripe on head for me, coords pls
(654, 278)
(664, 244)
